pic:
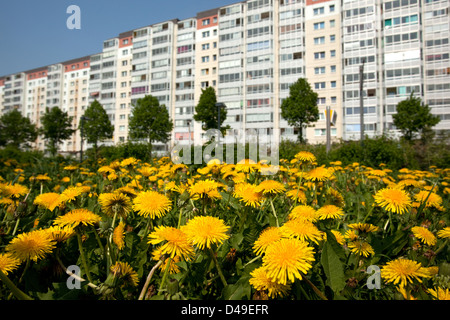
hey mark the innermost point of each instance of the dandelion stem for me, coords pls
(166, 271)
(19, 294)
(442, 247)
(83, 258)
(317, 291)
(274, 212)
(149, 278)
(219, 270)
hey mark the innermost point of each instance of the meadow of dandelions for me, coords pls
(159, 230)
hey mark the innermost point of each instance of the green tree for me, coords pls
(300, 108)
(98, 127)
(16, 130)
(414, 117)
(151, 121)
(206, 111)
(56, 127)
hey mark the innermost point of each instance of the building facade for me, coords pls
(251, 52)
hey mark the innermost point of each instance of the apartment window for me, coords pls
(206, 22)
(205, 84)
(318, 11)
(205, 59)
(319, 25)
(124, 63)
(333, 38)
(319, 40)
(332, 23)
(319, 70)
(321, 100)
(333, 69)
(333, 99)
(319, 55)
(333, 53)
(332, 8)
(319, 85)
(333, 84)
(205, 46)
(205, 34)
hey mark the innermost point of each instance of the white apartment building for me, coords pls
(251, 52)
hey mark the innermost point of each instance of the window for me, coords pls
(332, 23)
(205, 59)
(319, 85)
(319, 40)
(206, 22)
(333, 53)
(333, 84)
(319, 55)
(319, 25)
(318, 11)
(333, 69)
(319, 70)
(205, 34)
(333, 38)
(205, 46)
(332, 8)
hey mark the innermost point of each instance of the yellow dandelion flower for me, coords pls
(204, 188)
(115, 203)
(60, 234)
(125, 273)
(247, 193)
(42, 177)
(297, 194)
(329, 212)
(261, 282)
(8, 263)
(393, 200)
(267, 237)
(405, 293)
(339, 237)
(305, 156)
(71, 193)
(270, 187)
(128, 162)
(440, 293)
(363, 227)
(444, 233)
(403, 271)
(361, 248)
(176, 242)
(246, 166)
(128, 191)
(287, 259)
(430, 199)
(318, 174)
(49, 200)
(206, 231)
(77, 217)
(351, 235)
(119, 235)
(303, 212)
(172, 263)
(302, 230)
(70, 168)
(33, 245)
(151, 203)
(14, 190)
(424, 235)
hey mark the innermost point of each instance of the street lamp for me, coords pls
(219, 106)
(83, 119)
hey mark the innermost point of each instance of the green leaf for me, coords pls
(332, 265)
(239, 290)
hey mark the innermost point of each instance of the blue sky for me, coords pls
(34, 33)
